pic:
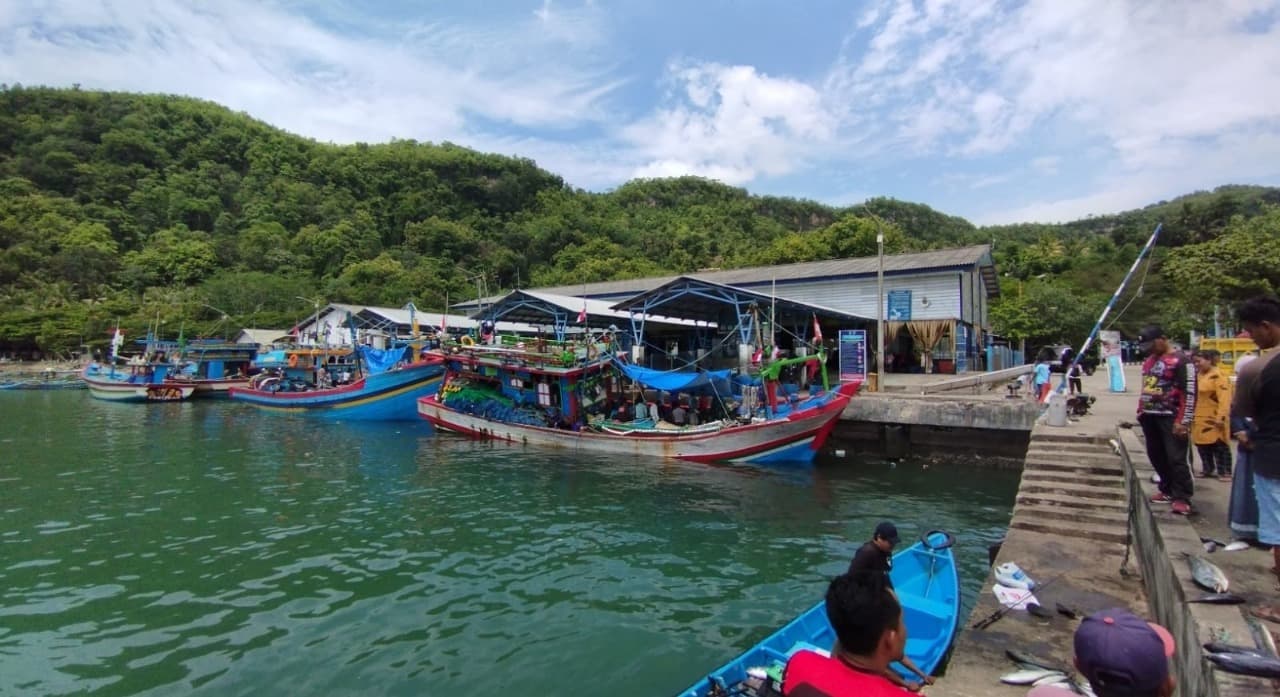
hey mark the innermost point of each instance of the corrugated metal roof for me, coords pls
(515, 306)
(959, 257)
(680, 297)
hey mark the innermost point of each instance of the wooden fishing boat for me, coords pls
(339, 383)
(136, 382)
(553, 395)
(212, 366)
(928, 587)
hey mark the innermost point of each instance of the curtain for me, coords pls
(927, 333)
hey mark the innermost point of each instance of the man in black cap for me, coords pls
(877, 555)
(1166, 408)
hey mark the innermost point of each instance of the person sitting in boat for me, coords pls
(870, 635)
(642, 410)
(680, 414)
(624, 412)
(876, 556)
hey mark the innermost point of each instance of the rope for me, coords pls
(1136, 294)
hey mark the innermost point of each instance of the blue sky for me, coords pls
(999, 111)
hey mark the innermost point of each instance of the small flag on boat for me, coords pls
(582, 316)
(757, 356)
(817, 330)
(116, 342)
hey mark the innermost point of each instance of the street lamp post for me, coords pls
(880, 308)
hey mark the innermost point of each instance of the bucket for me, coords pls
(1057, 414)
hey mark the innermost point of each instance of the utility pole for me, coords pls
(880, 349)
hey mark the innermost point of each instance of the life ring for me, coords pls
(293, 360)
(467, 341)
(948, 539)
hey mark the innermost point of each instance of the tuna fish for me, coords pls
(1247, 664)
(1218, 599)
(1261, 637)
(1207, 574)
(1220, 647)
(1030, 676)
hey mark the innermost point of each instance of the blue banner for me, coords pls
(962, 348)
(899, 305)
(853, 355)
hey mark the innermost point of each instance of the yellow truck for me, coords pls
(1231, 348)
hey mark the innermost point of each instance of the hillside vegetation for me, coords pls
(138, 208)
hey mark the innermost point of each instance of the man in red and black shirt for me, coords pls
(1165, 410)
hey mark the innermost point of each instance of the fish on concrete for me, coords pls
(1030, 676)
(1247, 664)
(1222, 647)
(1218, 599)
(1261, 636)
(1207, 574)
(1237, 546)
(1027, 661)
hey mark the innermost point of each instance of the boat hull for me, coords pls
(138, 392)
(214, 389)
(388, 396)
(928, 588)
(795, 438)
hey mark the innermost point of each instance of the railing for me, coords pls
(977, 380)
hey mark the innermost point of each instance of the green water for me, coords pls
(208, 549)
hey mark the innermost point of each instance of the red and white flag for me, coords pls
(582, 316)
(817, 330)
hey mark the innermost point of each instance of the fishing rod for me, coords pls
(995, 616)
(1097, 327)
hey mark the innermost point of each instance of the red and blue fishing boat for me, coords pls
(362, 384)
(584, 397)
(139, 380)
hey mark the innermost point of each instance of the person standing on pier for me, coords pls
(1211, 430)
(1166, 408)
(1258, 397)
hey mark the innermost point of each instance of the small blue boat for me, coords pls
(924, 576)
(385, 390)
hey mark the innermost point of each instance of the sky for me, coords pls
(996, 110)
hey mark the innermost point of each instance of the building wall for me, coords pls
(858, 296)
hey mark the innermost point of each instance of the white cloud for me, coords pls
(421, 82)
(731, 123)
(1047, 164)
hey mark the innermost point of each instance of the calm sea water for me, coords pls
(208, 549)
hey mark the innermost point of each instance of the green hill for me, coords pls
(133, 208)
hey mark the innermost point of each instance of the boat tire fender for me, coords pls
(945, 544)
(467, 341)
(293, 360)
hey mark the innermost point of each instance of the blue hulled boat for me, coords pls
(924, 576)
(328, 383)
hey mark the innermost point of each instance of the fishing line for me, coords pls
(1137, 293)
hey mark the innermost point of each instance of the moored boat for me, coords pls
(553, 395)
(333, 384)
(928, 588)
(135, 382)
(212, 366)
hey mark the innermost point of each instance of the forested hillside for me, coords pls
(124, 207)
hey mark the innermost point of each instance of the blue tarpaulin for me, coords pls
(380, 361)
(710, 381)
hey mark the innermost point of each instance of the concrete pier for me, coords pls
(1083, 497)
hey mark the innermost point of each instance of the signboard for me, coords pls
(853, 355)
(962, 348)
(899, 305)
(1110, 343)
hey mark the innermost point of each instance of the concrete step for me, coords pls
(1069, 438)
(1078, 490)
(1098, 480)
(1075, 530)
(1083, 470)
(1095, 516)
(1072, 502)
(1073, 458)
(1077, 446)
(1070, 453)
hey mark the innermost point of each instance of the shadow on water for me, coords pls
(208, 549)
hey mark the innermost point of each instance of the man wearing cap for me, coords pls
(877, 555)
(1166, 408)
(1121, 655)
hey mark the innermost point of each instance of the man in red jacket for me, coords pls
(867, 619)
(1165, 411)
